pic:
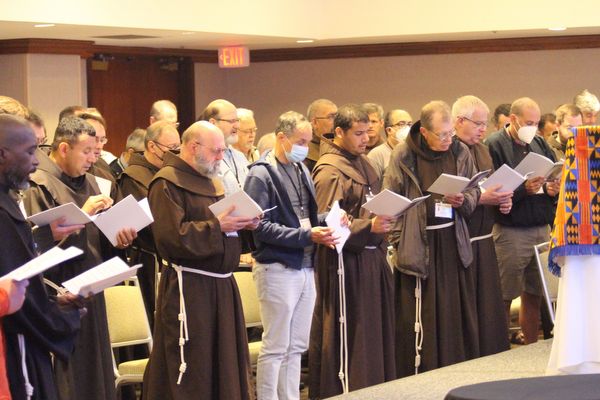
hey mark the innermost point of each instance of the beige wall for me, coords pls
(551, 77)
(45, 82)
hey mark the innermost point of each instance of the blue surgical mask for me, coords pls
(297, 154)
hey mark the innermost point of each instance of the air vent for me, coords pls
(125, 37)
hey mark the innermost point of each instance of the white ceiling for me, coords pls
(262, 24)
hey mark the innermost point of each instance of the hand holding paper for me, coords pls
(333, 221)
(94, 204)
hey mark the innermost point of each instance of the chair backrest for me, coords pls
(549, 281)
(249, 298)
(126, 314)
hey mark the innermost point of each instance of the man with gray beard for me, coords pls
(203, 352)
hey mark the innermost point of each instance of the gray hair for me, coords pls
(315, 105)
(587, 102)
(266, 142)
(135, 140)
(518, 106)
(159, 106)
(244, 113)
(566, 110)
(289, 121)
(154, 131)
(465, 106)
(371, 108)
(430, 109)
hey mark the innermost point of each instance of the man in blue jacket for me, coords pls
(284, 246)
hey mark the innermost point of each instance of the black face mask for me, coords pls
(176, 152)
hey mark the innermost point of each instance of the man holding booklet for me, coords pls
(200, 344)
(432, 252)
(284, 252)
(527, 223)
(60, 179)
(470, 115)
(344, 174)
(42, 326)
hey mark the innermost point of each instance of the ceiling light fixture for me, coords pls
(305, 41)
(558, 28)
(43, 25)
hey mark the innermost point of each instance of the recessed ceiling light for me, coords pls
(43, 25)
(187, 33)
(558, 28)
(305, 41)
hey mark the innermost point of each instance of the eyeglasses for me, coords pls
(231, 121)
(248, 131)
(443, 136)
(328, 116)
(215, 150)
(402, 124)
(479, 124)
(42, 141)
(175, 147)
(102, 140)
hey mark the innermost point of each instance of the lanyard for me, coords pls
(298, 190)
(234, 169)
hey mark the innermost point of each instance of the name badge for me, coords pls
(305, 223)
(443, 210)
(232, 234)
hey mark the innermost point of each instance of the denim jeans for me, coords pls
(287, 299)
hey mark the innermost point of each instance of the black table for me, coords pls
(563, 387)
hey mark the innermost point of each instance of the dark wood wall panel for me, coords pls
(125, 91)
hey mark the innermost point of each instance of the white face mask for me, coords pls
(402, 133)
(527, 133)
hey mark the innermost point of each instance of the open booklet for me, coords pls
(245, 206)
(128, 213)
(103, 276)
(43, 262)
(540, 166)
(389, 203)
(452, 184)
(508, 178)
(334, 221)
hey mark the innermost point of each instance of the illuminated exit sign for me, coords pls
(234, 57)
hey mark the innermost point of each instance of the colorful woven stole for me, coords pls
(577, 222)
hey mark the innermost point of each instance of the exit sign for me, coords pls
(234, 57)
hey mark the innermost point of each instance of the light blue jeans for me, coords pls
(287, 299)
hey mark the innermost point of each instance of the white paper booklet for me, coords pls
(334, 221)
(244, 205)
(508, 178)
(452, 184)
(540, 166)
(43, 262)
(389, 203)
(105, 185)
(105, 275)
(128, 213)
(73, 215)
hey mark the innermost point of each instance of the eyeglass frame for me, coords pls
(232, 121)
(102, 140)
(165, 146)
(330, 116)
(478, 124)
(248, 131)
(444, 135)
(401, 124)
(213, 150)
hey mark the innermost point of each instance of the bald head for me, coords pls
(17, 151)
(223, 114)
(8, 105)
(163, 110)
(202, 147)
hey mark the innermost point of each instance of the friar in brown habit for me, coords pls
(344, 174)
(200, 344)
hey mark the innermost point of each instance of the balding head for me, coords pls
(17, 152)
(163, 110)
(8, 105)
(202, 147)
(223, 114)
